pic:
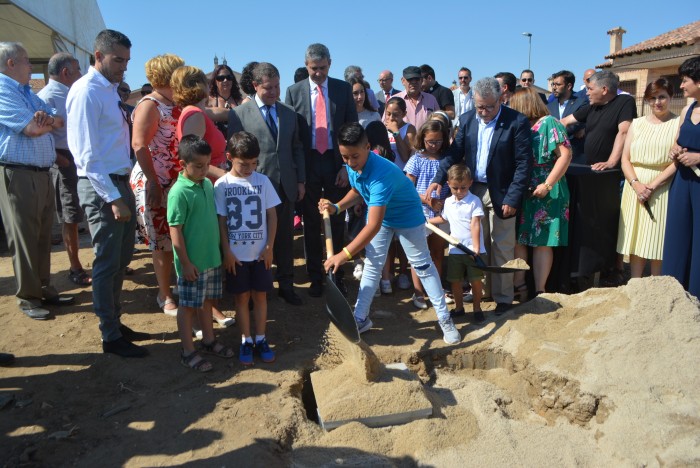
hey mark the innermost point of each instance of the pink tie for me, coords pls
(321, 122)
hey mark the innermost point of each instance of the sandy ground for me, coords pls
(607, 377)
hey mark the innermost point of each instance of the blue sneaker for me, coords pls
(246, 354)
(263, 349)
(363, 325)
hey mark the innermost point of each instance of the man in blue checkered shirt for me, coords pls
(27, 202)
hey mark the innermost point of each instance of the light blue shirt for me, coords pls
(18, 104)
(54, 95)
(264, 110)
(314, 92)
(381, 183)
(484, 145)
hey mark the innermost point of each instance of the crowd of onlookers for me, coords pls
(216, 175)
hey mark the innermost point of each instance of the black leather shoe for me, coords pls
(124, 348)
(59, 300)
(502, 308)
(341, 286)
(290, 296)
(316, 289)
(131, 335)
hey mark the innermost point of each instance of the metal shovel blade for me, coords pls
(337, 306)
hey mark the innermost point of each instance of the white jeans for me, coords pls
(415, 245)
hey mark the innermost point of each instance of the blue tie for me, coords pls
(271, 123)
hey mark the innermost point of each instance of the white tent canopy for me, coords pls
(45, 27)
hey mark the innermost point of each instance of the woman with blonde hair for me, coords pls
(190, 91)
(543, 222)
(157, 167)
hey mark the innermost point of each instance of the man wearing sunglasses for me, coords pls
(527, 80)
(419, 105)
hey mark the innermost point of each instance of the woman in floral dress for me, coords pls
(157, 167)
(543, 222)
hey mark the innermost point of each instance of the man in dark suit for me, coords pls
(281, 159)
(494, 142)
(386, 85)
(566, 102)
(325, 104)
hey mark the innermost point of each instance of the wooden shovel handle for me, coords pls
(328, 233)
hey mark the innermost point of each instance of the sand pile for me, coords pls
(606, 377)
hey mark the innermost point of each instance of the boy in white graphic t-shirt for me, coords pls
(245, 203)
(463, 210)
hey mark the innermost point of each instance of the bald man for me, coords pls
(386, 85)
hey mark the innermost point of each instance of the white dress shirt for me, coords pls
(314, 93)
(98, 133)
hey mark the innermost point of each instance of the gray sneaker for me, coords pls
(363, 325)
(450, 334)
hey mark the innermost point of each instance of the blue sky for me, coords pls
(486, 37)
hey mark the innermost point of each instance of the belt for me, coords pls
(114, 177)
(25, 167)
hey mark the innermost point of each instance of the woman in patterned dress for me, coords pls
(543, 222)
(647, 170)
(157, 166)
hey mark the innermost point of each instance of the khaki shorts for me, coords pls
(462, 266)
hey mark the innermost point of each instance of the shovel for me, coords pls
(337, 306)
(477, 258)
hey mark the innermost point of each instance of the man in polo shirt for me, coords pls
(64, 70)
(98, 137)
(26, 193)
(443, 95)
(419, 105)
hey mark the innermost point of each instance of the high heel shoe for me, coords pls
(520, 293)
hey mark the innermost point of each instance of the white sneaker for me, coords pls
(363, 325)
(450, 334)
(449, 300)
(419, 302)
(357, 272)
(197, 333)
(403, 282)
(385, 287)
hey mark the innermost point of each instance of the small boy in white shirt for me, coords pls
(245, 202)
(463, 210)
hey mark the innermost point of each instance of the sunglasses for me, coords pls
(527, 80)
(222, 78)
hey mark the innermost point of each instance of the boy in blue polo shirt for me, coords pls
(194, 229)
(393, 208)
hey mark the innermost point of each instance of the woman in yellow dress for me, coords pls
(647, 171)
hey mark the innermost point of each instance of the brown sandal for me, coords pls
(191, 361)
(217, 349)
(80, 277)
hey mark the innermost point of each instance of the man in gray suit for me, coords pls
(325, 104)
(281, 159)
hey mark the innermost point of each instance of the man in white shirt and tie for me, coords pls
(98, 138)
(325, 104)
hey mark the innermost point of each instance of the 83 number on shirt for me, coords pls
(248, 212)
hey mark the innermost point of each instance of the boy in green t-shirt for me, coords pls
(195, 233)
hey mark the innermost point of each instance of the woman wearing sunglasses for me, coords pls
(224, 93)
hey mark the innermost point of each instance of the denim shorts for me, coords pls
(251, 276)
(208, 285)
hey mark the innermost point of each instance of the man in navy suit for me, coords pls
(325, 171)
(494, 141)
(566, 102)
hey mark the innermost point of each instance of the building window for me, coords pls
(629, 86)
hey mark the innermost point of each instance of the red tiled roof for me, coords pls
(687, 34)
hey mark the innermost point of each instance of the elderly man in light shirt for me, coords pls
(98, 137)
(26, 192)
